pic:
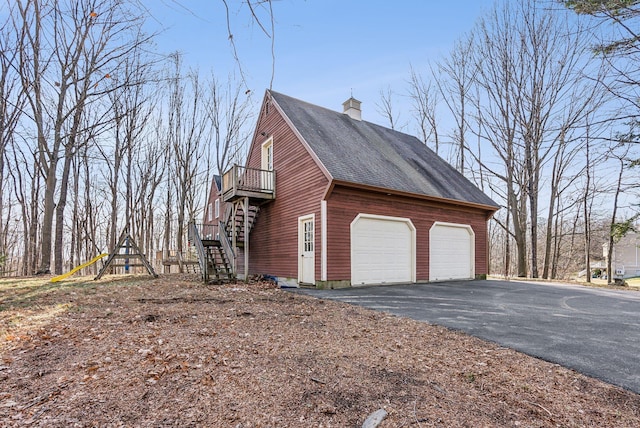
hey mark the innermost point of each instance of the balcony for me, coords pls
(256, 184)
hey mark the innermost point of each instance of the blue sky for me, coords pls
(324, 49)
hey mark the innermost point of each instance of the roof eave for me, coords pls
(490, 208)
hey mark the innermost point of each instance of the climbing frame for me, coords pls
(131, 251)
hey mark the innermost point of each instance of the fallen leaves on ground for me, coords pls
(134, 351)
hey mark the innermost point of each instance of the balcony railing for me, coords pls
(254, 183)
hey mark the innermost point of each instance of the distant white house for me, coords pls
(625, 260)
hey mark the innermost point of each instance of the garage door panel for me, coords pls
(382, 250)
(451, 251)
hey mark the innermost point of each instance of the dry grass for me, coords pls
(132, 351)
(633, 282)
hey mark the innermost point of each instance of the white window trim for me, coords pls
(217, 208)
(323, 240)
(210, 212)
(265, 164)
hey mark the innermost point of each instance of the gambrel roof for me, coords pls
(363, 153)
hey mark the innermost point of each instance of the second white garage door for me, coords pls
(382, 250)
(451, 252)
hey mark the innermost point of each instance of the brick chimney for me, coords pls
(352, 108)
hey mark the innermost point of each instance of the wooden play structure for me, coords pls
(124, 253)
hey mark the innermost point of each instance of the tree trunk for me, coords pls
(551, 214)
(180, 229)
(60, 207)
(47, 220)
(532, 171)
(113, 223)
(90, 227)
(507, 247)
(613, 222)
(3, 181)
(129, 182)
(34, 222)
(533, 203)
(548, 244)
(586, 214)
(556, 248)
(518, 212)
(167, 222)
(521, 249)
(75, 256)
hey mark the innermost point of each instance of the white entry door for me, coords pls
(306, 240)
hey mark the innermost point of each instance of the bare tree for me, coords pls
(130, 113)
(186, 136)
(587, 205)
(258, 10)
(73, 110)
(561, 179)
(495, 58)
(385, 107)
(11, 105)
(530, 70)
(149, 170)
(229, 111)
(69, 49)
(461, 71)
(25, 177)
(424, 96)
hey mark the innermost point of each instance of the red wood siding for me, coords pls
(344, 204)
(300, 185)
(213, 195)
(210, 228)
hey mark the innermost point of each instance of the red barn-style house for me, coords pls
(330, 200)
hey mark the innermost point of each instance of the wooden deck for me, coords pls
(256, 184)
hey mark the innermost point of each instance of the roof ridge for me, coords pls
(341, 114)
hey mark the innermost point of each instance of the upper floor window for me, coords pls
(218, 208)
(267, 155)
(210, 212)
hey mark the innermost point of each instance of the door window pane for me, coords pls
(308, 236)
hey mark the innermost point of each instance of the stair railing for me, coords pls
(227, 247)
(194, 235)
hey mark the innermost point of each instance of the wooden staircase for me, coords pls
(223, 253)
(219, 268)
(235, 223)
(214, 264)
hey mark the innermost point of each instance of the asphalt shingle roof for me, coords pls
(365, 153)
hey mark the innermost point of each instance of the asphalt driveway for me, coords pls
(594, 331)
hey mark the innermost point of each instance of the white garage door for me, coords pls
(451, 252)
(382, 250)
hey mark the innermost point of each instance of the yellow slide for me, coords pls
(76, 269)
